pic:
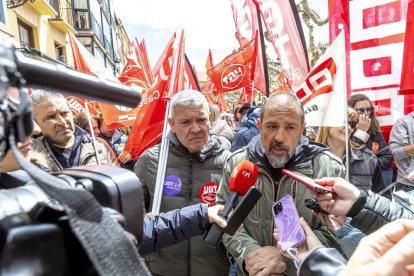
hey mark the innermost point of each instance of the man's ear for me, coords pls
(258, 124)
(172, 125)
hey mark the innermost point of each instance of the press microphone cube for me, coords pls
(246, 205)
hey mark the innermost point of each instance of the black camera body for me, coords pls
(37, 239)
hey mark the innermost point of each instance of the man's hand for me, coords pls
(364, 123)
(303, 249)
(124, 158)
(388, 251)
(341, 201)
(265, 261)
(411, 176)
(213, 215)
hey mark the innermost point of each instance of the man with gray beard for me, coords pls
(279, 146)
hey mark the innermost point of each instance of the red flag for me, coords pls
(134, 71)
(281, 26)
(209, 62)
(208, 97)
(221, 102)
(77, 105)
(161, 60)
(191, 81)
(145, 59)
(248, 22)
(148, 127)
(280, 84)
(246, 95)
(236, 70)
(114, 115)
(407, 75)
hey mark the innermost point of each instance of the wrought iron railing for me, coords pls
(35, 53)
(67, 12)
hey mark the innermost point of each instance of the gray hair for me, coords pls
(187, 98)
(285, 98)
(40, 96)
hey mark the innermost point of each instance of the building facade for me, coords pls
(39, 29)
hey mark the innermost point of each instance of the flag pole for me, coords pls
(346, 106)
(164, 149)
(95, 146)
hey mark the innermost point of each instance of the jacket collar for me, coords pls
(212, 148)
(303, 157)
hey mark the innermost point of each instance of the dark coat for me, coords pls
(192, 256)
(249, 130)
(384, 154)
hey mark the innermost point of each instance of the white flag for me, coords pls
(323, 94)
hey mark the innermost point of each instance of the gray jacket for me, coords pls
(192, 256)
(402, 134)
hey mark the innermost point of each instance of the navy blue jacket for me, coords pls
(249, 130)
(173, 227)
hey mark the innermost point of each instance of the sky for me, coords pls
(207, 24)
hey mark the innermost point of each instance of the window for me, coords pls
(80, 4)
(3, 12)
(26, 35)
(59, 52)
(86, 41)
(82, 19)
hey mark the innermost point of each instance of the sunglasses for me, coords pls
(362, 110)
(352, 124)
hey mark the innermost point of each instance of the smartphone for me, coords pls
(286, 217)
(307, 181)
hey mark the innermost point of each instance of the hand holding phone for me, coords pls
(286, 217)
(308, 182)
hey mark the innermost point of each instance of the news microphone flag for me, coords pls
(323, 93)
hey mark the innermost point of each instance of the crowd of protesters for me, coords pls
(204, 148)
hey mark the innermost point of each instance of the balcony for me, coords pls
(97, 29)
(45, 7)
(65, 19)
(109, 48)
(35, 53)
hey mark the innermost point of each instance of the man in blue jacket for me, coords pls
(249, 129)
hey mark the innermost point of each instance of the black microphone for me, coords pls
(60, 79)
(242, 179)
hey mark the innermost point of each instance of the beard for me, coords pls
(279, 160)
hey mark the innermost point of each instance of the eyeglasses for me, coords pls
(352, 124)
(362, 110)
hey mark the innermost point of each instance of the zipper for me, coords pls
(190, 195)
(257, 207)
(294, 190)
(273, 196)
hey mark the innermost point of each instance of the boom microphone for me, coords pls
(60, 79)
(242, 179)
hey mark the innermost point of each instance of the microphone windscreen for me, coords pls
(243, 177)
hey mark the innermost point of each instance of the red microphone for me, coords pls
(242, 178)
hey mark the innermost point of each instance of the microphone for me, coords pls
(60, 79)
(242, 179)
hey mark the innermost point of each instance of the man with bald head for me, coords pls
(279, 146)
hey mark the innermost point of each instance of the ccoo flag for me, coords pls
(236, 70)
(407, 76)
(323, 93)
(247, 95)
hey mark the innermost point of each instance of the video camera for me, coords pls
(39, 234)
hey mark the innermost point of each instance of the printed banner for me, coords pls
(248, 22)
(374, 42)
(323, 94)
(283, 32)
(145, 59)
(407, 76)
(77, 105)
(281, 84)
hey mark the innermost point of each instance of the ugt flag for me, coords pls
(323, 94)
(236, 70)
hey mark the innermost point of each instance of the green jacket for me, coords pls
(311, 159)
(192, 256)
